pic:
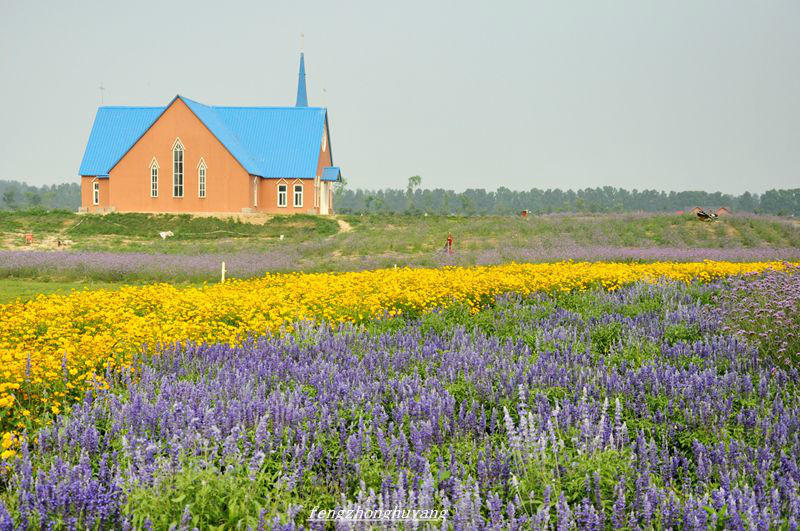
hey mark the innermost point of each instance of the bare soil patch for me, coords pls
(343, 226)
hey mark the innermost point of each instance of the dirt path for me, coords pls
(344, 226)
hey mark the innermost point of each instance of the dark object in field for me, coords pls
(448, 245)
(702, 215)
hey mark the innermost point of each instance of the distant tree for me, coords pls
(467, 205)
(9, 198)
(746, 202)
(414, 182)
(414, 200)
(34, 199)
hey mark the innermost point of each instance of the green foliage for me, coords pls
(648, 305)
(583, 303)
(604, 337)
(227, 500)
(36, 220)
(187, 227)
(681, 333)
(446, 318)
(634, 355)
(386, 325)
(588, 200)
(463, 391)
(12, 289)
(15, 195)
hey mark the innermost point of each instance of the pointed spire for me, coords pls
(302, 98)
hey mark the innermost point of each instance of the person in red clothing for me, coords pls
(449, 244)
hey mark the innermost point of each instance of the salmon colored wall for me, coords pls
(227, 182)
(324, 155)
(326, 159)
(86, 195)
(268, 196)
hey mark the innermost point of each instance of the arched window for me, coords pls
(298, 195)
(282, 193)
(96, 192)
(201, 178)
(154, 178)
(177, 169)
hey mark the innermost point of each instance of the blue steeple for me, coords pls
(302, 98)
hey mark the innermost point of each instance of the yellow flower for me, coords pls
(96, 330)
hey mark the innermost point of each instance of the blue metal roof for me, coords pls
(331, 173)
(211, 119)
(114, 131)
(282, 141)
(271, 142)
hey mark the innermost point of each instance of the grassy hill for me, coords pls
(127, 247)
(140, 232)
(374, 234)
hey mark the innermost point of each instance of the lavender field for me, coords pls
(127, 247)
(169, 267)
(655, 406)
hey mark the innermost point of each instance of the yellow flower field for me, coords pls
(51, 347)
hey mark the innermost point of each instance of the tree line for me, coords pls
(15, 195)
(415, 200)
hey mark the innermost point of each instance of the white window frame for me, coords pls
(95, 192)
(178, 177)
(295, 187)
(202, 174)
(317, 189)
(154, 178)
(324, 141)
(283, 194)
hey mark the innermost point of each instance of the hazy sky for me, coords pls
(674, 95)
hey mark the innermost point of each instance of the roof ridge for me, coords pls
(224, 134)
(267, 107)
(266, 141)
(149, 107)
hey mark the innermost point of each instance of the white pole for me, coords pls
(223, 272)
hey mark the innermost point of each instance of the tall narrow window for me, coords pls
(255, 191)
(177, 169)
(154, 178)
(324, 141)
(201, 179)
(282, 193)
(96, 193)
(316, 191)
(298, 195)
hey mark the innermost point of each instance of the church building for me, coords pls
(189, 157)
